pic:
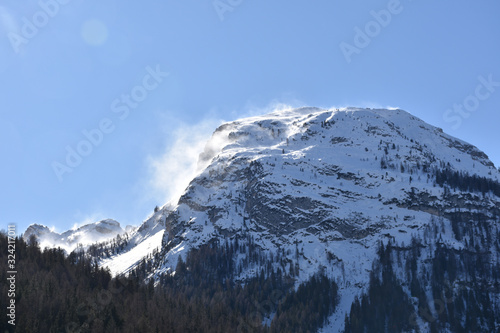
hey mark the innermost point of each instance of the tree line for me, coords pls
(59, 293)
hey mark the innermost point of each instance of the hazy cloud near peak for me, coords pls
(252, 110)
(172, 171)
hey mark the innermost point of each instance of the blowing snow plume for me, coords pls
(191, 149)
(188, 154)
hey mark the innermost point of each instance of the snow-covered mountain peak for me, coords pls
(299, 130)
(328, 184)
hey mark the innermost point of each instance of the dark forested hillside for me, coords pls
(55, 293)
(452, 290)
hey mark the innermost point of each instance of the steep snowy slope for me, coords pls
(68, 240)
(137, 244)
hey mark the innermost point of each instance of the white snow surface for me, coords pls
(123, 262)
(142, 242)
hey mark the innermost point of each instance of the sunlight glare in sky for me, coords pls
(94, 32)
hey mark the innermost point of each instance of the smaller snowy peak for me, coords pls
(38, 231)
(102, 227)
(85, 235)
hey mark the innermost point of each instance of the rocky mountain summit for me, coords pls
(315, 176)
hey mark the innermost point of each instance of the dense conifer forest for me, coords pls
(59, 293)
(451, 290)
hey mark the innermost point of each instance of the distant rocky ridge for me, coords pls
(69, 240)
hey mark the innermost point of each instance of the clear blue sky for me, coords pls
(67, 66)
